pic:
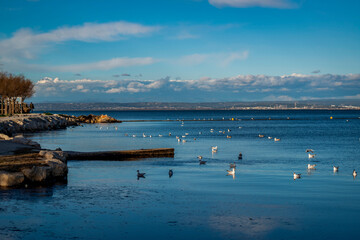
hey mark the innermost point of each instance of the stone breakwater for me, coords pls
(34, 123)
(43, 168)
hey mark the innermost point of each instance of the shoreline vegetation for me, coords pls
(14, 89)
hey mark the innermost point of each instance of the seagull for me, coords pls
(231, 172)
(276, 139)
(240, 156)
(179, 140)
(169, 133)
(177, 137)
(160, 135)
(170, 173)
(200, 157)
(201, 162)
(214, 149)
(269, 137)
(261, 136)
(354, 173)
(140, 175)
(311, 166)
(309, 150)
(336, 169)
(229, 130)
(297, 175)
(186, 134)
(311, 155)
(232, 165)
(184, 141)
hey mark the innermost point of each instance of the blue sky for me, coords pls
(183, 50)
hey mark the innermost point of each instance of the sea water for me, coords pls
(105, 200)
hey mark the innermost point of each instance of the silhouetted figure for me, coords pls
(31, 107)
(171, 173)
(240, 156)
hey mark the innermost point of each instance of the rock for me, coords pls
(58, 168)
(10, 179)
(58, 149)
(22, 140)
(37, 173)
(96, 119)
(47, 155)
(4, 137)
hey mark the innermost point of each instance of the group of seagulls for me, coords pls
(310, 167)
(269, 137)
(201, 162)
(214, 149)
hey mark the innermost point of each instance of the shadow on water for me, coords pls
(33, 193)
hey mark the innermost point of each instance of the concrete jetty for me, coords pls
(122, 155)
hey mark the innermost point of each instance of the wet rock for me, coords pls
(11, 179)
(20, 139)
(4, 137)
(37, 173)
(58, 168)
(47, 155)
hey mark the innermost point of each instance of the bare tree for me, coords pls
(12, 88)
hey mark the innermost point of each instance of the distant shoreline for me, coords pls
(190, 109)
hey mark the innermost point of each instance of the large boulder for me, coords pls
(37, 173)
(58, 168)
(11, 179)
(20, 139)
(60, 155)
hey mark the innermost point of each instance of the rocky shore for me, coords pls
(22, 161)
(43, 122)
(43, 168)
(33, 123)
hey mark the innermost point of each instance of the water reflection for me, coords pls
(240, 227)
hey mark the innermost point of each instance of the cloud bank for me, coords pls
(259, 87)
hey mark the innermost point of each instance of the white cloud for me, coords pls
(256, 83)
(26, 43)
(221, 59)
(193, 59)
(253, 3)
(296, 86)
(49, 85)
(105, 65)
(235, 56)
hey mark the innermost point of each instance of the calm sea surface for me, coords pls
(104, 199)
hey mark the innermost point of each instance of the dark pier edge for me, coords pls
(122, 155)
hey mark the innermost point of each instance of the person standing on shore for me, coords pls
(31, 107)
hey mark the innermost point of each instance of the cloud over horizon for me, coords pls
(236, 88)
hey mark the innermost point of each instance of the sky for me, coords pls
(183, 50)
